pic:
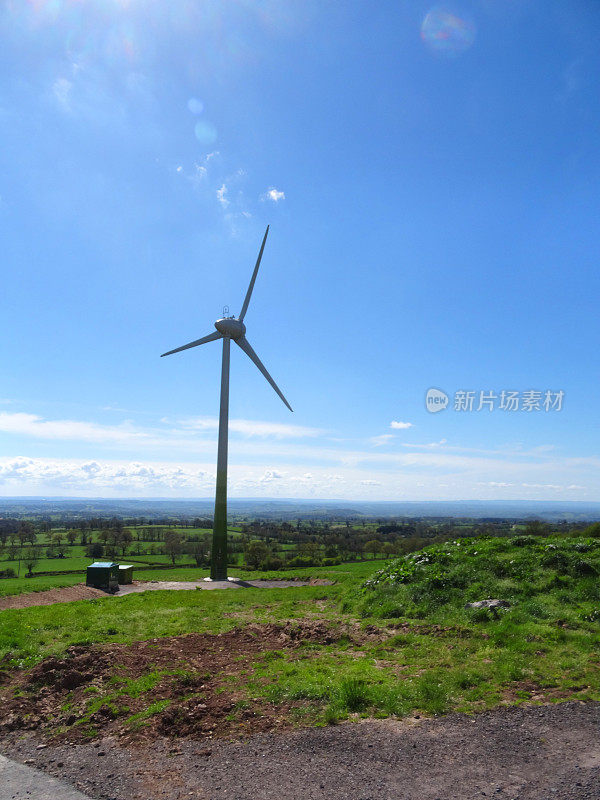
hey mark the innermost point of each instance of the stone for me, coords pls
(489, 604)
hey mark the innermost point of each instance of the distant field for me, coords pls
(11, 586)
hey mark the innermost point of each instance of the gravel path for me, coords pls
(522, 753)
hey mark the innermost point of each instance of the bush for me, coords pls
(523, 541)
(8, 573)
(272, 563)
(304, 561)
(584, 568)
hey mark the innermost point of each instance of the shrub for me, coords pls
(584, 568)
(272, 563)
(523, 541)
(304, 561)
(8, 573)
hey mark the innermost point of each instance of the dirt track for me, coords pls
(66, 595)
(523, 753)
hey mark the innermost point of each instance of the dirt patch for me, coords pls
(183, 686)
(47, 598)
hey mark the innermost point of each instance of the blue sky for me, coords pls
(430, 177)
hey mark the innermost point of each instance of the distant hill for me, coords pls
(551, 510)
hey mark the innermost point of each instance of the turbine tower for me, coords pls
(228, 328)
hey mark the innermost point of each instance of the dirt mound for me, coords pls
(184, 685)
(78, 592)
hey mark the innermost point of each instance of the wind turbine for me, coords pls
(228, 328)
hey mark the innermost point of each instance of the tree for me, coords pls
(71, 536)
(30, 559)
(592, 530)
(126, 539)
(373, 546)
(199, 550)
(173, 544)
(58, 545)
(388, 549)
(537, 528)
(255, 553)
(26, 533)
(94, 550)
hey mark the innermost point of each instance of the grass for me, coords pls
(432, 654)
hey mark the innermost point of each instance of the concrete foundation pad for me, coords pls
(19, 782)
(207, 583)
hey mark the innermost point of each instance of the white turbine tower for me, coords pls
(228, 328)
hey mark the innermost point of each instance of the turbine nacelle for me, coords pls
(230, 326)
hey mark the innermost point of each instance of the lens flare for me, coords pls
(195, 106)
(205, 132)
(447, 33)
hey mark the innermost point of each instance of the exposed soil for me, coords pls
(196, 682)
(547, 752)
(47, 598)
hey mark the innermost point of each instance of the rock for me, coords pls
(489, 604)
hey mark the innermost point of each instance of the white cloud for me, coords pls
(198, 175)
(273, 194)
(249, 427)
(400, 426)
(33, 425)
(271, 475)
(110, 478)
(429, 444)
(423, 479)
(384, 438)
(174, 434)
(221, 196)
(303, 461)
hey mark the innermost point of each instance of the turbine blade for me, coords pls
(210, 338)
(246, 347)
(254, 274)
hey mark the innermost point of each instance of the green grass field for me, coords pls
(411, 645)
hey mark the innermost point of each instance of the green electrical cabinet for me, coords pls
(125, 573)
(103, 575)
